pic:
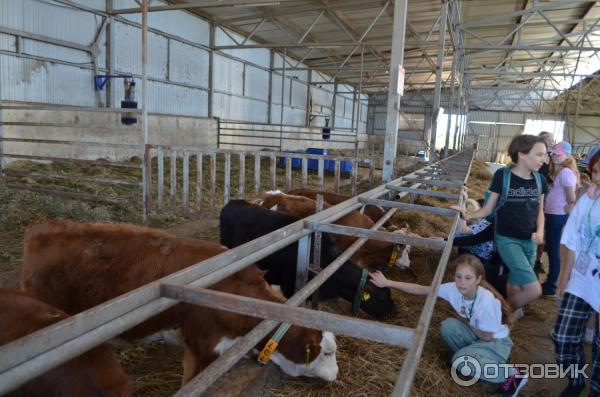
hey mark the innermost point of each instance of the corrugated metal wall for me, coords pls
(178, 66)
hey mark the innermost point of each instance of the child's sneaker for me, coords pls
(518, 314)
(513, 384)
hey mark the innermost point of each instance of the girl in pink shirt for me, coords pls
(559, 202)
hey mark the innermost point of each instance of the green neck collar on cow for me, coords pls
(359, 292)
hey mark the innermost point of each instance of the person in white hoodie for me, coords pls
(579, 286)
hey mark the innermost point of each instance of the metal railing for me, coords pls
(34, 354)
(282, 137)
(206, 175)
(150, 194)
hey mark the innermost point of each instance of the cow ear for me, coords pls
(261, 272)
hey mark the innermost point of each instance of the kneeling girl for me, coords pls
(479, 331)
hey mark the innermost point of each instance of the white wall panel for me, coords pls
(278, 63)
(348, 108)
(299, 91)
(97, 4)
(188, 64)
(228, 75)
(179, 23)
(48, 19)
(230, 107)
(258, 56)
(36, 81)
(171, 99)
(321, 97)
(276, 90)
(256, 83)
(8, 42)
(128, 53)
(37, 48)
(290, 116)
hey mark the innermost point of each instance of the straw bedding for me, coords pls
(366, 368)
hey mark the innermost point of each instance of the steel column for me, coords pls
(393, 102)
(146, 171)
(438, 83)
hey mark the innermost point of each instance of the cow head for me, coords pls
(377, 302)
(306, 352)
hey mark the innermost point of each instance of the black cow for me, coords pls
(241, 222)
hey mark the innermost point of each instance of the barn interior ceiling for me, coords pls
(514, 53)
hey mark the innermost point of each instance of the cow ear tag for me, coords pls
(266, 353)
(307, 354)
(366, 296)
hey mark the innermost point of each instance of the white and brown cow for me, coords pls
(77, 266)
(373, 254)
(374, 212)
(96, 373)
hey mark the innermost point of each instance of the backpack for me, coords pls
(505, 187)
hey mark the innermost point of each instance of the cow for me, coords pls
(96, 373)
(77, 266)
(374, 254)
(374, 212)
(241, 222)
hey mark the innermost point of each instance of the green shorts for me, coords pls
(519, 257)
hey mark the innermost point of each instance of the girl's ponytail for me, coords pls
(507, 312)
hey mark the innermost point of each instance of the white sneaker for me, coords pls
(590, 333)
(518, 314)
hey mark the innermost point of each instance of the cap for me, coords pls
(561, 148)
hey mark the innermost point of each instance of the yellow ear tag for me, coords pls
(307, 355)
(265, 355)
(394, 255)
(366, 296)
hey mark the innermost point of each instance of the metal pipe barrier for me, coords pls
(36, 353)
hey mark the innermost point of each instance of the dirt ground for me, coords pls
(156, 368)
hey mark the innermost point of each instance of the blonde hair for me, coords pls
(568, 163)
(475, 264)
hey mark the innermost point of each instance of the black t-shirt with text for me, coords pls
(517, 218)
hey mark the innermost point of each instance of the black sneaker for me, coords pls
(548, 291)
(513, 385)
(573, 391)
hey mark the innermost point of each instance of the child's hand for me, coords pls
(462, 210)
(464, 192)
(538, 238)
(379, 279)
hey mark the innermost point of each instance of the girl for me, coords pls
(579, 285)
(559, 202)
(520, 221)
(478, 333)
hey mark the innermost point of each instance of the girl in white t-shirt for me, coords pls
(579, 286)
(479, 332)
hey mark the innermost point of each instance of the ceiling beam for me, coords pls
(200, 4)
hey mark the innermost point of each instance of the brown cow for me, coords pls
(77, 266)
(373, 254)
(96, 373)
(374, 212)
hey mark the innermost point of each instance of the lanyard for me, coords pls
(469, 315)
(589, 224)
